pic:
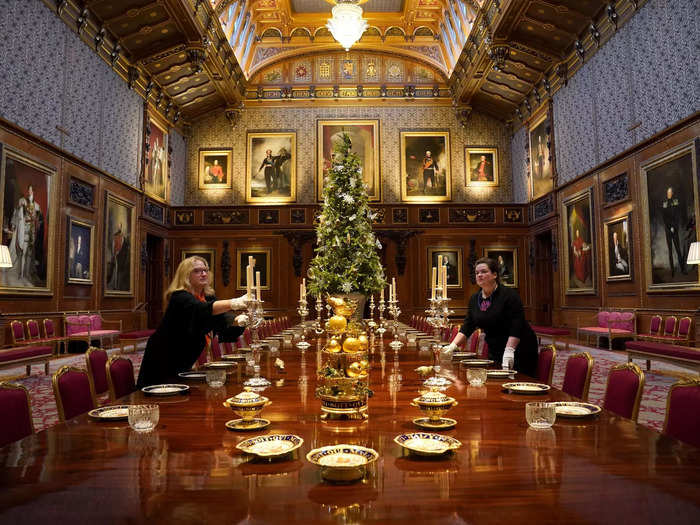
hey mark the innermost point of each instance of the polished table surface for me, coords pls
(603, 470)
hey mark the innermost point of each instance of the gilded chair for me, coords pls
(74, 392)
(577, 377)
(683, 411)
(623, 392)
(96, 359)
(50, 335)
(19, 337)
(670, 326)
(15, 413)
(120, 377)
(654, 328)
(683, 335)
(545, 363)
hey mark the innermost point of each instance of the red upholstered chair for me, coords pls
(577, 377)
(670, 326)
(96, 359)
(74, 392)
(683, 335)
(623, 392)
(120, 377)
(33, 330)
(17, 331)
(215, 349)
(247, 336)
(15, 413)
(654, 328)
(50, 335)
(474, 342)
(227, 348)
(545, 363)
(683, 411)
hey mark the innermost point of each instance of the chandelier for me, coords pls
(347, 24)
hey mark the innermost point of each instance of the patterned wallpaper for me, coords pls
(519, 144)
(215, 131)
(646, 73)
(57, 80)
(178, 171)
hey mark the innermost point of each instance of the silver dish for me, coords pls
(168, 389)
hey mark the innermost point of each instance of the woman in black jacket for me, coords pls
(192, 313)
(498, 311)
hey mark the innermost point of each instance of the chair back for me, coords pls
(603, 317)
(95, 322)
(684, 327)
(96, 359)
(15, 413)
(682, 413)
(545, 363)
(473, 343)
(247, 337)
(33, 329)
(74, 392)
(670, 326)
(120, 377)
(623, 392)
(655, 325)
(17, 331)
(215, 349)
(49, 328)
(577, 377)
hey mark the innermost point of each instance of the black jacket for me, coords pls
(181, 337)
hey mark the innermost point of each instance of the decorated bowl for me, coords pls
(434, 404)
(247, 405)
(342, 462)
(427, 443)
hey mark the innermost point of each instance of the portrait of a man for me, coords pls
(451, 259)
(578, 235)
(271, 167)
(156, 172)
(619, 250)
(425, 166)
(117, 246)
(507, 260)
(542, 173)
(26, 222)
(481, 166)
(214, 169)
(79, 252)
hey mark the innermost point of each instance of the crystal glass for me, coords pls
(476, 376)
(216, 377)
(143, 418)
(540, 414)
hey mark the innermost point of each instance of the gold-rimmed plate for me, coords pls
(110, 413)
(193, 374)
(526, 388)
(476, 362)
(233, 357)
(220, 364)
(271, 445)
(342, 462)
(444, 423)
(246, 425)
(427, 443)
(458, 356)
(576, 409)
(494, 374)
(168, 389)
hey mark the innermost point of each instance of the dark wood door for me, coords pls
(544, 277)
(154, 280)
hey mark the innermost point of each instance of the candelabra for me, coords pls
(438, 317)
(255, 319)
(319, 310)
(303, 311)
(381, 329)
(395, 311)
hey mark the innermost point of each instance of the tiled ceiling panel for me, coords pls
(371, 6)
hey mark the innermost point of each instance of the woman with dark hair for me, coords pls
(498, 311)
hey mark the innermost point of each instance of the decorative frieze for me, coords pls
(226, 217)
(469, 215)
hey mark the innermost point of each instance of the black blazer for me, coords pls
(181, 337)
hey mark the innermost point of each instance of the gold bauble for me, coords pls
(337, 323)
(336, 301)
(364, 364)
(355, 370)
(351, 344)
(364, 342)
(333, 346)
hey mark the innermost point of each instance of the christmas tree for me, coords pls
(346, 259)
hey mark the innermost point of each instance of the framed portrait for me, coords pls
(261, 260)
(156, 170)
(364, 135)
(28, 223)
(271, 167)
(541, 165)
(669, 211)
(208, 255)
(214, 169)
(507, 259)
(618, 249)
(578, 237)
(452, 259)
(119, 250)
(425, 166)
(80, 250)
(481, 166)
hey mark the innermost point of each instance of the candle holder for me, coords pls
(255, 319)
(438, 317)
(381, 329)
(319, 321)
(303, 311)
(395, 311)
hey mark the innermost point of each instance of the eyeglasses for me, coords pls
(200, 270)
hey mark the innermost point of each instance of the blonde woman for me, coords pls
(192, 312)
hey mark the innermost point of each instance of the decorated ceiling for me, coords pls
(191, 57)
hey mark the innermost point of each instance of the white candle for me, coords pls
(249, 275)
(444, 282)
(301, 291)
(432, 281)
(303, 283)
(257, 284)
(381, 295)
(393, 287)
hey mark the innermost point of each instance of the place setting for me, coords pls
(247, 405)
(166, 389)
(271, 446)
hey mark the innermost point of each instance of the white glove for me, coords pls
(241, 320)
(240, 303)
(508, 358)
(449, 349)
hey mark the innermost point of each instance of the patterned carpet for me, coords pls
(651, 413)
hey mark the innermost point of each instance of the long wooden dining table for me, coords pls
(188, 470)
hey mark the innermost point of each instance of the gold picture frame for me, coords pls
(453, 256)
(364, 135)
(78, 255)
(425, 178)
(156, 182)
(119, 246)
(507, 259)
(618, 248)
(481, 166)
(271, 179)
(262, 258)
(33, 266)
(208, 254)
(541, 153)
(666, 222)
(578, 238)
(214, 169)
